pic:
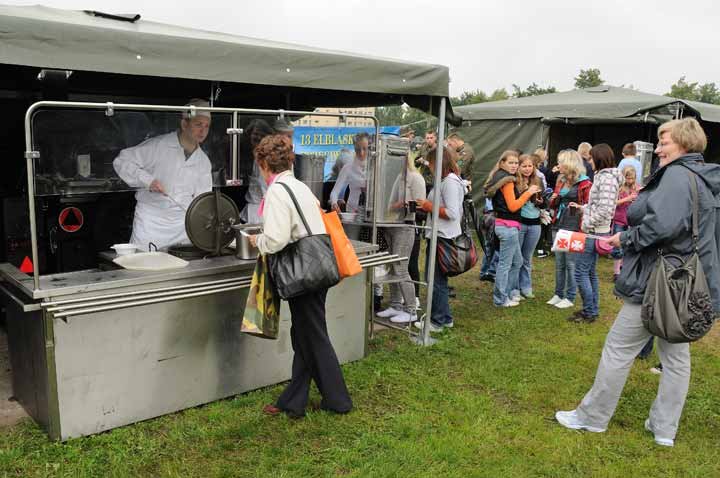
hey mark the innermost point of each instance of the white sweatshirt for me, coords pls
(281, 221)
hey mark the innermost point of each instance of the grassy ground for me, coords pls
(479, 403)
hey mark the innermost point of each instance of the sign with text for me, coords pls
(331, 142)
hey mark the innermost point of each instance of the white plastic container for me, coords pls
(124, 249)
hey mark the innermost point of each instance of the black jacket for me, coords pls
(661, 217)
(493, 190)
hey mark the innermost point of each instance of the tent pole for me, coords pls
(426, 339)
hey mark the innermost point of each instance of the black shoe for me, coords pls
(578, 317)
(487, 277)
(575, 317)
(451, 292)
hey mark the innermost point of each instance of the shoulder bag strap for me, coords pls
(693, 189)
(297, 206)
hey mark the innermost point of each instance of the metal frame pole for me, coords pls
(31, 154)
(376, 159)
(234, 165)
(426, 339)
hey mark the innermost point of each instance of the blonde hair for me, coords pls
(573, 165)
(623, 186)
(541, 153)
(524, 183)
(687, 133)
(583, 149)
(504, 157)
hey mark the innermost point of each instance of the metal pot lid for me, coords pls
(204, 229)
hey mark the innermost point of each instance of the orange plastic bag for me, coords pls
(347, 260)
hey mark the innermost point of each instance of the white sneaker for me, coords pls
(564, 304)
(657, 370)
(659, 440)
(417, 303)
(517, 298)
(403, 318)
(433, 327)
(389, 312)
(555, 299)
(570, 420)
(509, 303)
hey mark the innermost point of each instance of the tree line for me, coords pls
(586, 78)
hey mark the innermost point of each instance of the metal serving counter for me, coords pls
(93, 350)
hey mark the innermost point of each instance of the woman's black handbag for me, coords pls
(305, 266)
(458, 255)
(677, 305)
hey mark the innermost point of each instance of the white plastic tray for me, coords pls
(150, 261)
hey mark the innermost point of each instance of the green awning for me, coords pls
(602, 102)
(44, 37)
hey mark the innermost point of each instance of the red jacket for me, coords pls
(584, 186)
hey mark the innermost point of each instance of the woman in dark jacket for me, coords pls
(660, 217)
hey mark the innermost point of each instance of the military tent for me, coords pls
(604, 114)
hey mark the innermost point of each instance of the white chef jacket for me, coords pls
(353, 175)
(157, 218)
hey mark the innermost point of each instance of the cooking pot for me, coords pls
(243, 248)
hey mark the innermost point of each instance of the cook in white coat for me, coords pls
(173, 165)
(352, 175)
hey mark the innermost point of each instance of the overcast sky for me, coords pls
(486, 44)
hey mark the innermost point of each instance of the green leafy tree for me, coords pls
(499, 95)
(706, 93)
(588, 78)
(390, 115)
(479, 96)
(469, 98)
(709, 93)
(403, 115)
(683, 90)
(532, 90)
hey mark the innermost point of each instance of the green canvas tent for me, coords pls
(604, 114)
(116, 54)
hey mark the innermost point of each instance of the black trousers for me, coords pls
(314, 359)
(413, 267)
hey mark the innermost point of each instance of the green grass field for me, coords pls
(479, 403)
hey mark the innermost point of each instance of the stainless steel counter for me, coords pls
(94, 350)
(93, 280)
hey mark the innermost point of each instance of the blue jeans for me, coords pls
(617, 252)
(489, 266)
(565, 286)
(587, 279)
(440, 314)
(647, 350)
(509, 263)
(528, 238)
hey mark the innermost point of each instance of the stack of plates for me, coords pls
(348, 216)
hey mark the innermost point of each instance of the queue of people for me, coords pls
(636, 222)
(585, 192)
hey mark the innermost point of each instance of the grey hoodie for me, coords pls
(661, 217)
(599, 211)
